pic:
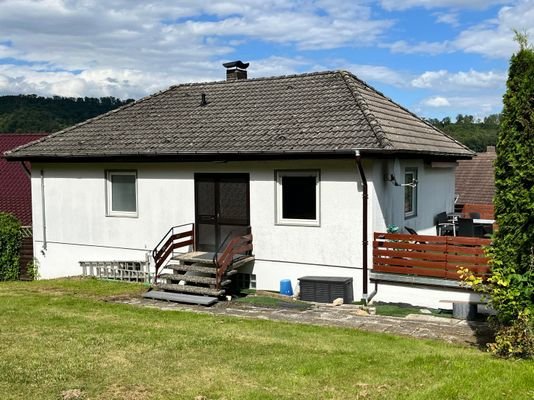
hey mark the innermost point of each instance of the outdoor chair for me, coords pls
(411, 231)
(466, 227)
(443, 225)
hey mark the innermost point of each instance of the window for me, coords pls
(121, 193)
(297, 194)
(410, 193)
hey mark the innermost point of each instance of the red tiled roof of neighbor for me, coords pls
(475, 181)
(15, 193)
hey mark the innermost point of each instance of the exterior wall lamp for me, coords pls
(393, 180)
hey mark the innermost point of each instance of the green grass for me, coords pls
(62, 335)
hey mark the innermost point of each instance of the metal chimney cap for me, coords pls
(236, 64)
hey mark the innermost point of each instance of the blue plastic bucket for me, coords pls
(286, 288)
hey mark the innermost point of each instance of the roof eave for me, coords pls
(238, 155)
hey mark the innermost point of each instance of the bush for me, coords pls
(10, 242)
(516, 340)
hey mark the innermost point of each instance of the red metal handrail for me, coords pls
(431, 256)
(236, 246)
(176, 237)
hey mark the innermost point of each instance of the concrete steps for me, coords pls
(200, 290)
(181, 298)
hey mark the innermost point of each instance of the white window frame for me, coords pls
(413, 212)
(279, 206)
(109, 211)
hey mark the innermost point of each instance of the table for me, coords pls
(483, 221)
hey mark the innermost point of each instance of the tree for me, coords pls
(511, 285)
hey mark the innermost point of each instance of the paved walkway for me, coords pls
(351, 316)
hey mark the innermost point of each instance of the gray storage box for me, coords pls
(325, 289)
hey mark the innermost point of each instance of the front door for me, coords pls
(221, 206)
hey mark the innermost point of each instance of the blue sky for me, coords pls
(436, 57)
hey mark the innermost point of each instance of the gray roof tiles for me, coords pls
(317, 112)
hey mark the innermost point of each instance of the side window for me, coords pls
(121, 192)
(410, 193)
(297, 196)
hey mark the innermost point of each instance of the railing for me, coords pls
(130, 271)
(429, 256)
(236, 246)
(177, 237)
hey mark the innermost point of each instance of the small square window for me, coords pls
(410, 192)
(122, 193)
(297, 197)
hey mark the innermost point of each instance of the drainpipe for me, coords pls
(365, 212)
(43, 210)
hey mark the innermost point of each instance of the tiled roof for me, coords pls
(311, 113)
(15, 194)
(475, 181)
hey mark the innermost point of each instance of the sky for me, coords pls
(438, 58)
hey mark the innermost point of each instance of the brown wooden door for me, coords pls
(221, 206)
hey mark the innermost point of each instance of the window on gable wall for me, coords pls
(410, 193)
(297, 195)
(121, 191)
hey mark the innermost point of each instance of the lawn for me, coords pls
(64, 339)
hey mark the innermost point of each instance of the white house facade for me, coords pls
(110, 188)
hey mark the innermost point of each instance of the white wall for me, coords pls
(77, 228)
(435, 193)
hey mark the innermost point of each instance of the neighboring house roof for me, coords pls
(324, 112)
(475, 180)
(15, 193)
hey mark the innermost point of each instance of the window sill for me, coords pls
(298, 222)
(123, 215)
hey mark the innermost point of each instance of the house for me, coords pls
(475, 184)
(15, 194)
(313, 163)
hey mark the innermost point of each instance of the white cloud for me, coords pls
(132, 48)
(432, 48)
(378, 73)
(469, 4)
(447, 18)
(494, 38)
(446, 81)
(436, 101)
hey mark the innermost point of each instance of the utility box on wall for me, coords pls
(325, 289)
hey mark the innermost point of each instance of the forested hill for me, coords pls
(476, 134)
(31, 113)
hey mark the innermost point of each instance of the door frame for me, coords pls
(217, 178)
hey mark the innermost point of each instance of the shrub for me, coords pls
(10, 242)
(32, 269)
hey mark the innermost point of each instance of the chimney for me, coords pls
(236, 70)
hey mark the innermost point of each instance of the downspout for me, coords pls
(365, 212)
(43, 210)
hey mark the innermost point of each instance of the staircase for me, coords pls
(197, 277)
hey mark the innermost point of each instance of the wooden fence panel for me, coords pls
(432, 256)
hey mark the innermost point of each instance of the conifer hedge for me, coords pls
(512, 251)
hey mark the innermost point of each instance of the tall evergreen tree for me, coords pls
(512, 251)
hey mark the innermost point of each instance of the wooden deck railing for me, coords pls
(175, 238)
(430, 256)
(237, 245)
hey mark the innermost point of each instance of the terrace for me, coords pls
(428, 260)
